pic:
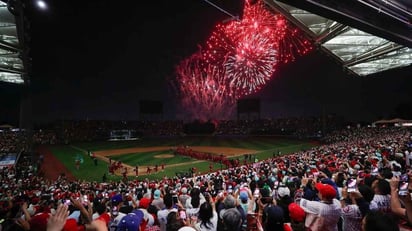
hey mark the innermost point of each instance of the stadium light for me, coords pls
(41, 4)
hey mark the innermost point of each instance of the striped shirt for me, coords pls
(381, 203)
(321, 216)
(352, 218)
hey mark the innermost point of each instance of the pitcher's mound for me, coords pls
(163, 156)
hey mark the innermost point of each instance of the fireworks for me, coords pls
(239, 58)
(204, 93)
(251, 65)
(246, 49)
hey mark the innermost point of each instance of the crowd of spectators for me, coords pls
(65, 132)
(11, 141)
(361, 181)
(301, 127)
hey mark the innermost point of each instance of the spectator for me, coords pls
(275, 219)
(404, 212)
(148, 219)
(162, 215)
(379, 221)
(193, 203)
(353, 204)
(183, 196)
(196, 198)
(131, 221)
(158, 200)
(381, 200)
(207, 218)
(246, 201)
(174, 222)
(284, 201)
(232, 220)
(323, 214)
(297, 217)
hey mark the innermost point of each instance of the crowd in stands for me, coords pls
(69, 131)
(11, 141)
(295, 126)
(65, 132)
(361, 181)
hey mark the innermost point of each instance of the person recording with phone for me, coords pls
(381, 199)
(355, 205)
(401, 202)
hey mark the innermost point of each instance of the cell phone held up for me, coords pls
(182, 214)
(175, 199)
(403, 185)
(351, 185)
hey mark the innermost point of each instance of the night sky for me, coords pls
(97, 59)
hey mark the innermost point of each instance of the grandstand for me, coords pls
(286, 173)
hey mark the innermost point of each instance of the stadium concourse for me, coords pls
(357, 180)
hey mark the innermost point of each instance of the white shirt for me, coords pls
(192, 212)
(162, 217)
(212, 226)
(158, 203)
(189, 202)
(321, 216)
(148, 217)
(408, 158)
(352, 218)
(381, 203)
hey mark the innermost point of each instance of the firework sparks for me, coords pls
(250, 49)
(203, 90)
(239, 58)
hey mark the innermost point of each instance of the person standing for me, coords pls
(324, 214)
(162, 214)
(77, 163)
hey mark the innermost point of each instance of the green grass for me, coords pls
(88, 171)
(146, 158)
(265, 146)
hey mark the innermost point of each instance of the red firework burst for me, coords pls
(204, 93)
(250, 49)
(294, 44)
(252, 64)
(239, 58)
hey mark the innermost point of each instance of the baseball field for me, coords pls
(146, 153)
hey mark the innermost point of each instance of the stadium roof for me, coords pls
(11, 64)
(365, 36)
(386, 44)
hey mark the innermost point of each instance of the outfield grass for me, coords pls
(146, 158)
(265, 146)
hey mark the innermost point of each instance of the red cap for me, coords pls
(39, 222)
(144, 203)
(35, 200)
(104, 217)
(70, 225)
(296, 213)
(327, 191)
